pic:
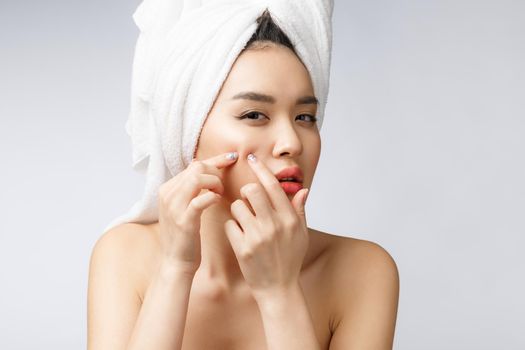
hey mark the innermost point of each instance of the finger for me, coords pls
(273, 188)
(222, 160)
(201, 167)
(259, 201)
(243, 215)
(193, 185)
(209, 182)
(198, 204)
(235, 236)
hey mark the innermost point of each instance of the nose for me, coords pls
(287, 140)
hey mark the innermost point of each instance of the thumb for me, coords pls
(299, 203)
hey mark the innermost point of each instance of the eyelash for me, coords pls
(244, 116)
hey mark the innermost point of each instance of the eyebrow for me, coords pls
(256, 96)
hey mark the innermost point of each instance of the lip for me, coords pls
(293, 171)
(291, 187)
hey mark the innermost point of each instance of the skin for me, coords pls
(347, 289)
(279, 136)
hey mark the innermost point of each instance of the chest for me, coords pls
(237, 323)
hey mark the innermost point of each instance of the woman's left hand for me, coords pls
(270, 246)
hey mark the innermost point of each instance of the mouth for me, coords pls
(290, 174)
(291, 187)
(291, 179)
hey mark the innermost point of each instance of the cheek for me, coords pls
(316, 153)
(238, 175)
(219, 135)
(219, 138)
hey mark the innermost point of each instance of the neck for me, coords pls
(218, 260)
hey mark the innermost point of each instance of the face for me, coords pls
(280, 130)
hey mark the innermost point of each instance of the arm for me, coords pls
(368, 302)
(287, 321)
(161, 321)
(116, 318)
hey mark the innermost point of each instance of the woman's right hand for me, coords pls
(181, 206)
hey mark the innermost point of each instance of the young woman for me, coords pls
(231, 263)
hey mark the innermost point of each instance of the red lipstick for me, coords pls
(291, 179)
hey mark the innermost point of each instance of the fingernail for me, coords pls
(232, 155)
(252, 158)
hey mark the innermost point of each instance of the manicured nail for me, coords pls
(252, 158)
(232, 155)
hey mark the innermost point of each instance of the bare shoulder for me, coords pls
(359, 265)
(364, 279)
(362, 257)
(131, 246)
(348, 252)
(117, 269)
(133, 240)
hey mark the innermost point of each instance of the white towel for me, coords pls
(183, 54)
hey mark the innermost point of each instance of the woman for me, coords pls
(231, 263)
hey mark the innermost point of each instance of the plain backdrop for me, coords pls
(422, 152)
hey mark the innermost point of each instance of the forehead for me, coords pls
(274, 70)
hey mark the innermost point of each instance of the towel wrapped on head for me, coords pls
(183, 55)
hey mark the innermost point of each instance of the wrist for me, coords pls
(276, 298)
(176, 270)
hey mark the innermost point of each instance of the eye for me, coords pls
(253, 116)
(312, 118)
(250, 114)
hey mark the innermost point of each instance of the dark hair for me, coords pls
(268, 31)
